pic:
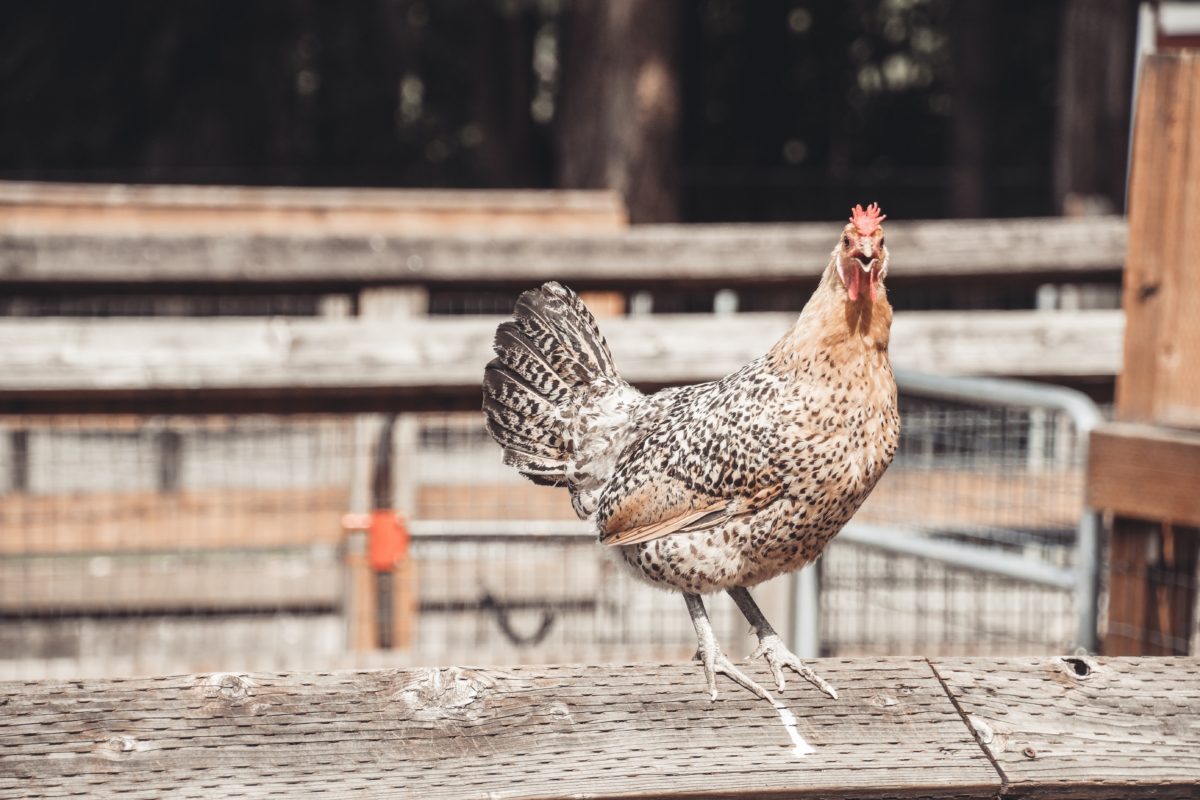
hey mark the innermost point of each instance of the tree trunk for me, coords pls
(619, 103)
(969, 129)
(503, 91)
(1095, 76)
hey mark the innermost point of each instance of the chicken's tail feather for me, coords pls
(546, 358)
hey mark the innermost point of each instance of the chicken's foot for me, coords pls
(772, 647)
(710, 655)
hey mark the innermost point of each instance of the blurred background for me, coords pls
(713, 111)
(252, 255)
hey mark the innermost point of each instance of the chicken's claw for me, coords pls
(778, 656)
(715, 661)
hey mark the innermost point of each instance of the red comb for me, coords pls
(866, 221)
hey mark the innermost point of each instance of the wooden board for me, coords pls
(903, 728)
(184, 583)
(933, 498)
(176, 521)
(233, 364)
(1084, 727)
(1007, 252)
(1152, 569)
(1161, 382)
(599, 731)
(131, 210)
(1145, 471)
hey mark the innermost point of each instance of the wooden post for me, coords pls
(1161, 378)
(1146, 472)
(1147, 476)
(170, 460)
(362, 624)
(18, 450)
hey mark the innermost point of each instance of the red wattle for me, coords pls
(852, 285)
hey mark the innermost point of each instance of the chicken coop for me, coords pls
(217, 453)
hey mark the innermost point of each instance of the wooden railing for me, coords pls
(158, 366)
(999, 252)
(1078, 727)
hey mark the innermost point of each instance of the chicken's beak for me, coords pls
(861, 274)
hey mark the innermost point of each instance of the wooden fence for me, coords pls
(997, 252)
(1145, 469)
(1075, 727)
(436, 363)
(149, 210)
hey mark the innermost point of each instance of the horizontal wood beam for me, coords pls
(133, 210)
(963, 728)
(1083, 727)
(170, 583)
(114, 365)
(89, 523)
(1145, 471)
(1002, 251)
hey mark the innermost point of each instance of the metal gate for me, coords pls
(976, 541)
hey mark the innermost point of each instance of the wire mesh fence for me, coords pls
(1153, 598)
(154, 544)
(131, 543)
(1000, 479)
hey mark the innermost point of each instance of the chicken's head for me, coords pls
(861, 257)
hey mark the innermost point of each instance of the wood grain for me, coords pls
(1145, 471)
(1161, 382)
(1084, 727)
(181, 583)
(102, 522)
(108, 209)
(596, 731)
(1152, 567)
(1026, 251)
(933, 498)
(71, 365)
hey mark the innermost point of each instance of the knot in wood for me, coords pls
(1077, 666)
(228, 686)
(435, 693)
(883, 701)
(117, 747)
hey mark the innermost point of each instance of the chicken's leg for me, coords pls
(771, 646)
(709, 652)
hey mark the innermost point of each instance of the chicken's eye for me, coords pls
(882, 239)
(845, 240)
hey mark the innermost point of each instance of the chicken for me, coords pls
(717, 486)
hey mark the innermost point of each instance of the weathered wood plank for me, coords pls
(108, 209)
(178, 582)
(1162, 285)
(1008, 251)
(425, 363)
(600, 731)
(99, 522)
(935, 498)
(1084, 727)
(1152, 567)
(1145, 471)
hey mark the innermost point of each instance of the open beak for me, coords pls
(861, 275)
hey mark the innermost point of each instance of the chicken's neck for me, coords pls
(833, 325)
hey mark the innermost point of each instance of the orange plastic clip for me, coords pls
(387, 540)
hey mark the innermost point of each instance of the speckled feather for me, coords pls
(704, 487)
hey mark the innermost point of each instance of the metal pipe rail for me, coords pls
(1085, 416)
(1082, 578)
